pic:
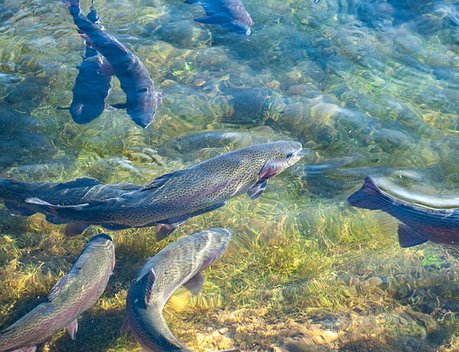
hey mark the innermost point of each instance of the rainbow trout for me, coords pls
(230, 14)
(165, 203)
(141, 97)
(179, 264)
(421, 219)
(73, 294)
(92, 84)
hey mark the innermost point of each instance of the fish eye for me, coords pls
(143, 90)
(289, 155)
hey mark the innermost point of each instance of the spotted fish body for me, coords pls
(72, 295)
(92, 84)
(230, 14)
(179, 264)
(167, 201)
(421, 219)
(141, 97)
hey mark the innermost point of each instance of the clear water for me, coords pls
(371, 87)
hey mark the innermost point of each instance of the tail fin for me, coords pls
(368, 197)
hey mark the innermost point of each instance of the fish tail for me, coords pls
(369, 196)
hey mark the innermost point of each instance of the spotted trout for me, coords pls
(72, 295)
(165, 203)
(142, 99)
(92, 83)
(421, 219)
(179, 264)
(230, 14)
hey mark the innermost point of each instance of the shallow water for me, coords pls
(370, 87)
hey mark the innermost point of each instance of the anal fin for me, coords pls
(257, 189)
(194, 285)
(164, 230)
(408, 237)
(26, 349)
(72, 329)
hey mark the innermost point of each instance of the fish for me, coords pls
(72, 295)
(179, 264)
(165, 203)
(420, 219)
(142, 99)
(230, 14)
(92, 84)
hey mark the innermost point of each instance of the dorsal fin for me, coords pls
(149, 280)
(161, 180)
(60, 285)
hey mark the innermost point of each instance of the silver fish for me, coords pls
(72, 295)
(179, 264)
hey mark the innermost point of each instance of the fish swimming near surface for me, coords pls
(92, 83)
(142, 99)
(179, 264)
(72, 295)
(421, 219)
(230, 14)
(166, 202)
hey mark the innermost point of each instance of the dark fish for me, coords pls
(230, 14)
(92, 84)
(166, 202)
(141, 97)
(72, 295)
(421, 219)
(179, 264)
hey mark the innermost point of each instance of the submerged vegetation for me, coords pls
(367, 90)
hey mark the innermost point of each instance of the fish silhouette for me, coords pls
(165, 203)
(179, 264)
(230, 14)
(72, 295)
(142, 99)
(92, 83)
(436, 221)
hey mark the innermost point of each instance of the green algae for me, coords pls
(303, 272)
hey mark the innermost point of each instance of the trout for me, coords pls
(72, 295)
(165, 203)
(421, 219)
(179, 264)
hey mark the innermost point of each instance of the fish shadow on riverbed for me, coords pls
(96, 332)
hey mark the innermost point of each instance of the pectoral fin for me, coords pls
(409, 237)
(164, 230)
(72, 329)
(257, 189)
(194, 285)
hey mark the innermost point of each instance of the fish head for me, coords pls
(271, 159)
(215, 244)
(85, 113)
(142, 106)
(103, 246)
